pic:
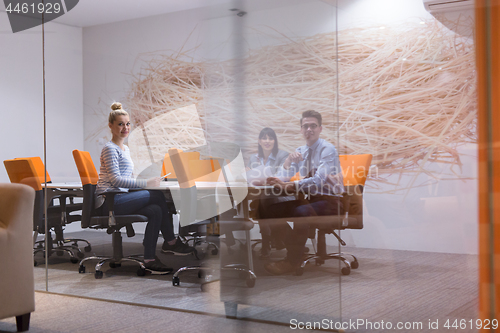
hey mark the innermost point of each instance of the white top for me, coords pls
(116, 171)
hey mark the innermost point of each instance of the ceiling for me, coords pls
(95, 12)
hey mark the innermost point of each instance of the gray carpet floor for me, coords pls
(65, 314)
(393, 286)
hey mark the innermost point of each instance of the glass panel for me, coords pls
(21, 102)
(64, 132)
(407, 87)
(273, 65)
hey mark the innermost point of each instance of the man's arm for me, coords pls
(286, 187)
(294, 157)
(327, 171)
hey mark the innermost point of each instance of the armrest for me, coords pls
(111, 201)
(111, 205)
(111, 213)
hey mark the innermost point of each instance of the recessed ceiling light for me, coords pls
(422, 22)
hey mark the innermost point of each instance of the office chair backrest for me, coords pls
(188, 203)
(355, 168)
(39, 168)
(86, 168)
(181, 167)
(22, 171)
(89, 177)
(169, 168)
(205, 170)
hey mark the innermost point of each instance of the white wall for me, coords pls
(441, 217)
(21, 104)
(111, 51)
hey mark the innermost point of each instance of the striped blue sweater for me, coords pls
(116, 171)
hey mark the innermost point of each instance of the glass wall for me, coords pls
(394, 83)
(407, 86)
(211, 87)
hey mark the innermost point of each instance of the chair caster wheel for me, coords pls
(140, 272)
(35, 263)
(116, 264)
(80, 255)
(354, 264)
(199, 254)
(87, 248)
(74, 260)
(250, 283)
(214, 252)
(176, 281)
(81, 269)
(98, 274)
(346, 270)
(201, 274)
(299, 271)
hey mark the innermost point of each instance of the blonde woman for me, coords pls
(116, 173)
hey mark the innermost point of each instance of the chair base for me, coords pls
(116, 259)
(60, 247)
(197, 240)
(113, 263)
(208, 278)
(320, 260)
(23, 322)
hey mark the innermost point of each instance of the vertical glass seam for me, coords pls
(45, 157)
(338, 131)
(489, 131)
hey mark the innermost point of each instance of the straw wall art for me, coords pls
(405, 94)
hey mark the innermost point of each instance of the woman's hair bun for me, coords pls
(116, 106)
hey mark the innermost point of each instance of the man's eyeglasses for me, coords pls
(311, 126)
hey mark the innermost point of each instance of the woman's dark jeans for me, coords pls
(151, 204)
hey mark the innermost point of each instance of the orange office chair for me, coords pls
(194, 209)
(30, 171)
(205, 170)
(112, 223)
(201, 170)
(62, 195)
(167, 166)
(354, 170)
(197, 233)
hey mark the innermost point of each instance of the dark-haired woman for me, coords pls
(269, 155)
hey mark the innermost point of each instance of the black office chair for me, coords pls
(112, 223)
(26, 170)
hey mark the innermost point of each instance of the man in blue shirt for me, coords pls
(319, 191)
